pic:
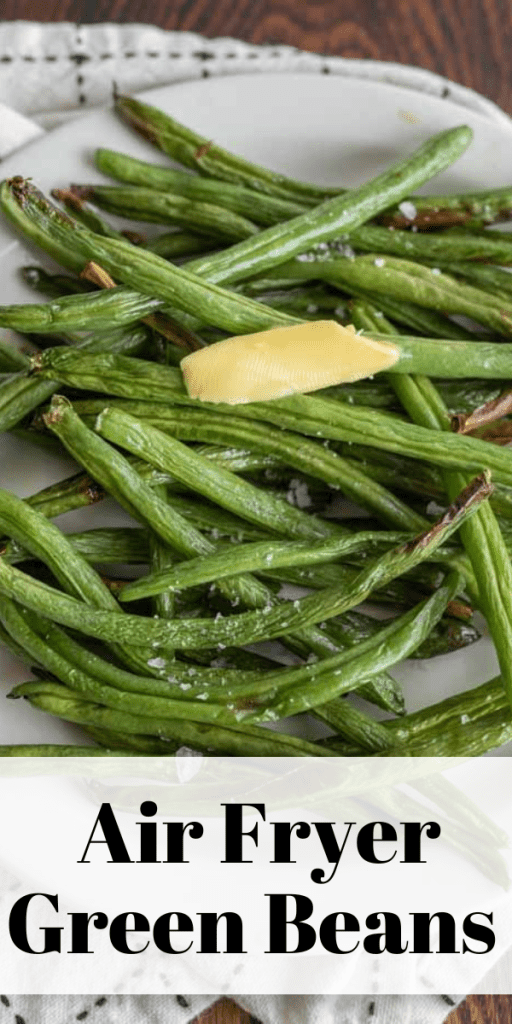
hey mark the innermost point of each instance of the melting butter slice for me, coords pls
(283, 361)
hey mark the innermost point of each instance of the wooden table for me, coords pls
(469, 41)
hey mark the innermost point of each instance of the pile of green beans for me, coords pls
(156, 636)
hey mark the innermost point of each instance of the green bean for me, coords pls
(324, 259)
(487, 699)
(212, 519)
(102, 544)
(336, 216)
(425, 321)
(310, 303)
(115, 473)
(61, 750)
(73, 246)
(132, 628)
(398, 594)
(421, 580)
(54, 286)
(197, 152)
(80, 490)
(463, 739)
(46, 542)
(270, 210)
(410, 477)
(354, 725)
(149, 273)
(487, 246)
(90, 217)
(140, 745)
(20, 394)
(258, 206)
(491, 563)
(252, 557)
(419, 318)
(452, 359)
(90, 311)
(200, 154)
(123, 340)
(77, 491)
(379, 430)
(269, 247)
(314, 685)
(57, 651)
(220, 685)
(384, 691)
(482, 538)
(146, 204)
(304, 455)
(244, 741)
(267, 697)
(213, 482)
(175, 244)
(247, 627)
(404, 280)
(161, 557)
(270, 694)
(442, 211)
(7, 641)
(306, 414)
(89, 688)
(448, 635)
(120, 480)
(12, 358)
(490, 279)
(460, 396)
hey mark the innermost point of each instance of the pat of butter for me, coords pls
(283, 361)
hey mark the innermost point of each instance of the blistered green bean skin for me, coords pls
(258, 206)
(139, 203)
(91, 311)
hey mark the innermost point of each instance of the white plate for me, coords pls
(318, 128)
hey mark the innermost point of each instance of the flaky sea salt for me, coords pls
(408, 209)
(157, 663)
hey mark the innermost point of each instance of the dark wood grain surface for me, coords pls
(468, 41)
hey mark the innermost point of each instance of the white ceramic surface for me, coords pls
(319, 128)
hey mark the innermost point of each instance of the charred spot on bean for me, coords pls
(203, 150)
(92, 491)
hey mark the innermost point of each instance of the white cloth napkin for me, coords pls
(47, 74)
